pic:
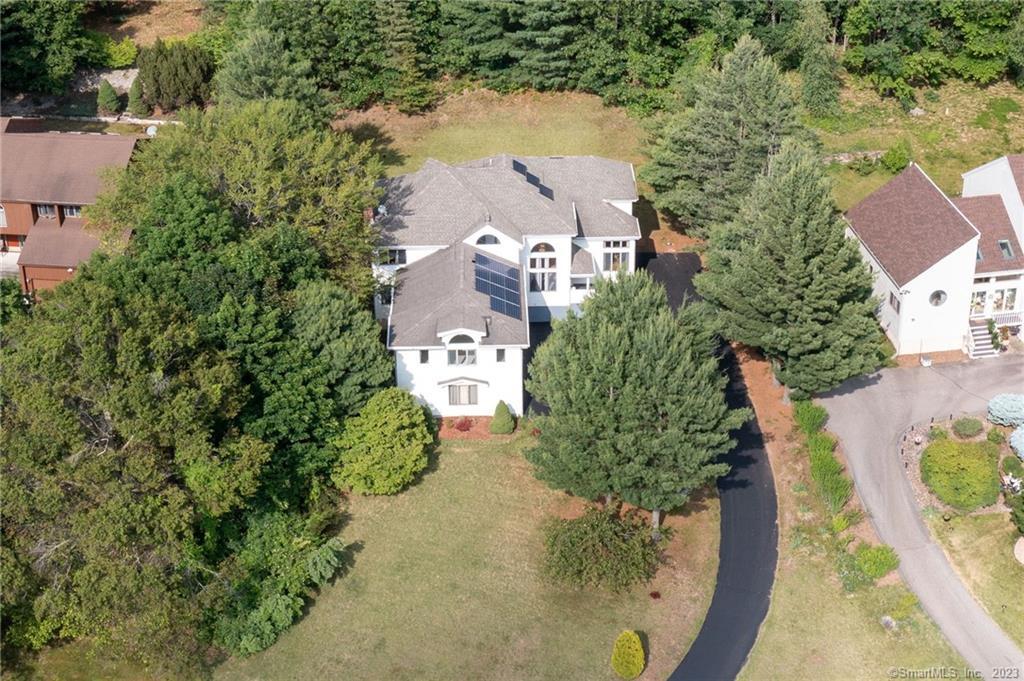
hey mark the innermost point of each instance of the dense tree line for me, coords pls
(172, 416)
(633, 52)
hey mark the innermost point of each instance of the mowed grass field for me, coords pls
(980, 547)
(447, 585)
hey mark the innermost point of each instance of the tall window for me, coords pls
(1004, 300)
(616, 256)
(1006, 249)
(500, 357)
(978, 302)
(424, 356)
(3, 217)
(393, 256)
(72, 211)
(461, 394)
(46, 210)
(461, 356)
(542, 268)
(894, 302)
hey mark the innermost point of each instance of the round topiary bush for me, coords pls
(995, 436)
(628, 655)
(963, 475)
(502, 423)
(967, 428)
(1006, 409)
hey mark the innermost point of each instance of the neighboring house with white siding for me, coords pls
(943, 268)
(474, 252)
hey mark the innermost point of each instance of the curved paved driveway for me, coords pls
(869, 415)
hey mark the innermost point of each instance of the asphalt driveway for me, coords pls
(870, 415)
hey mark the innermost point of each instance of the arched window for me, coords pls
(542, 267)
(487, 240)
(460, 356)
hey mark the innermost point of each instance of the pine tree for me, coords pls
(705, 160)
(637, 403)
(106, 99)
(544, 44)
(819, 67)
(261, 68)
(787, 280)
(136, 104)
(409, 87)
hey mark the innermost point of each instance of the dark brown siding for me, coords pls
(43, 278)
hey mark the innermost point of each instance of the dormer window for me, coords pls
(487, 240)
(46, 210)
(393, 256)
(72, 211)
(461, 356)
(1006, 249)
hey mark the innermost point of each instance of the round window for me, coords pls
(937, 298)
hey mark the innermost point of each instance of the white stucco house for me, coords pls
(471, 253)
(943, 267)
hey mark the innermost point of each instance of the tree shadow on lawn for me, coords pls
(381, 142)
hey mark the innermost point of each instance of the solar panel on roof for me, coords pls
(518, 167)
(501, 283)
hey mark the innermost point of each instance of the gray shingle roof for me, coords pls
(437, 294)
(582, 261)
(440, 203)
(909, 225)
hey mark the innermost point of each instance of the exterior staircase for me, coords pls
(981, 346)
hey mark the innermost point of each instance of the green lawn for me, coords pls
(480, 123)
(980, 547)
(446, 586)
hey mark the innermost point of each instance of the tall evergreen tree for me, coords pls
(819, 67)
(543, 44)
(636, 398)
(704, 160)
(787, 280)
(409, 86)
(260, 68)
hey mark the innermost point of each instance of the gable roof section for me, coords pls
(909, 225)
(988, 215)
(59, 167)
(57, 246)
(1016, 162)
(544, 196)
(438, 294)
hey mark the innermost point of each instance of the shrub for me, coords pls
(834, 487)
(1016, 504)
(136, 104)
(897, 157)
(962, 474)
(936, 433)
(1006, 410)
(385, 446)
(995, 436)
(502, 423)
(463, 424)
(600, 549)
(876, 561)
(175, 75)
(628, 655)
(106, 99)
(1013, 466)
(850, 574)
(1017, 442)
(104, 52)
(809, 416)
(967, 427)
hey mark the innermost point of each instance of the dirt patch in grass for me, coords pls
(815, 630)
(144, 21)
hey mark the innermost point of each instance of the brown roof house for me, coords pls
(45, 180)
(944, 267)
(478, 250)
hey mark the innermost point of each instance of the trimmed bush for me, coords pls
(385, 446)
(175, 74)
(995, 436)
(810, 418)
(936, 433)
(962, 474)
(106, 99)
(967, 428)
(876, 561)
(1017, 442)
(136, 104)
(502, 423)
(1006, 409)
(1013, 466)
(628, 655)
(600, 549)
